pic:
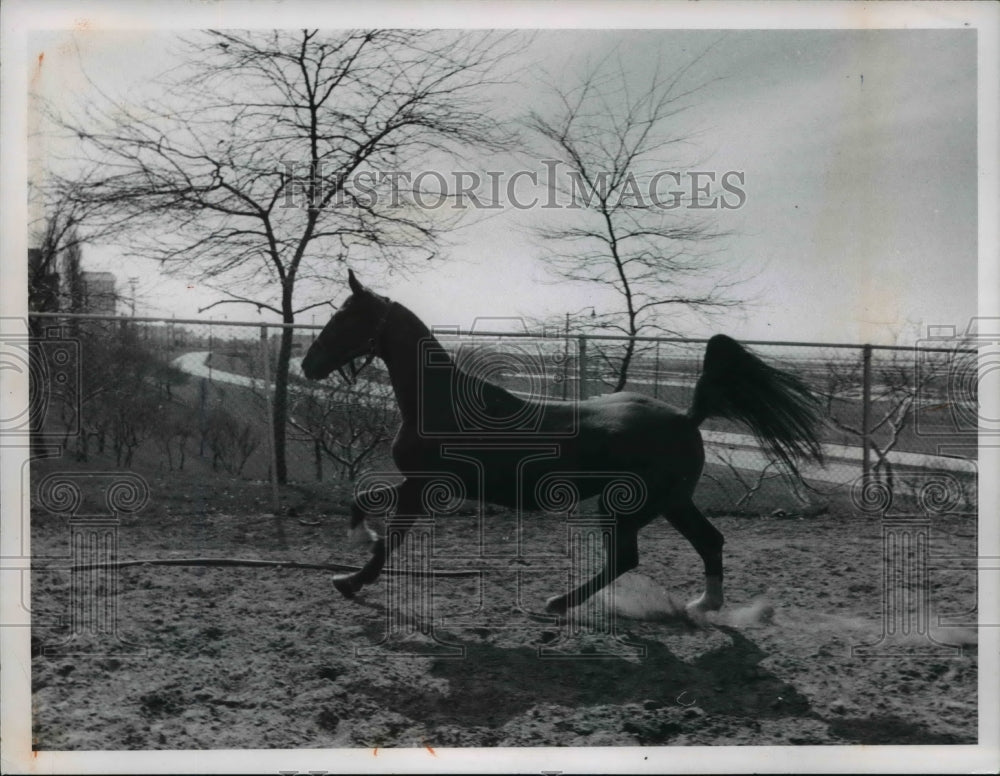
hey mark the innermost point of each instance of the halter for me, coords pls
(372, 348)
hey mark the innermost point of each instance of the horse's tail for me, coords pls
(777, 406)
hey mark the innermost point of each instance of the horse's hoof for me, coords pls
(710, 600)
(698, 609)
(345, 585)
(556, 605)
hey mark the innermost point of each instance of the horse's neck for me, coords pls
(417, 363)
(406, 347)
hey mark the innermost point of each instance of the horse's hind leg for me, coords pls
(621, 555)
(707, 541)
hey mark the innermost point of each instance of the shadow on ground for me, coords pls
(493, 685)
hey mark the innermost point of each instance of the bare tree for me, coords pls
(174, 428)
(229, 440)
(64, 224)
(628, 226)
(118, 396)
(134, 418)
(897, 386)
(347, 424)
(744, 484)
(54, 259)
(262, 162)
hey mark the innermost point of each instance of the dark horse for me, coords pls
(620, 432)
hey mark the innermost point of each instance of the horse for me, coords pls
(659, 446)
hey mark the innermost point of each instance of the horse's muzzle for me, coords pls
(313, 369)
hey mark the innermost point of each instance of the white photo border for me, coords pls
(21, 17)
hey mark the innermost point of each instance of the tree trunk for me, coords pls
(626, 290)
(623, 370)
(281, 389)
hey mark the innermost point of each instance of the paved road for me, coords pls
(194, 364)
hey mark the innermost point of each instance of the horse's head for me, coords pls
(353, 332)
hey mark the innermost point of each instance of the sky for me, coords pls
(858, 150)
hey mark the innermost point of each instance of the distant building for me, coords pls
(99, 297)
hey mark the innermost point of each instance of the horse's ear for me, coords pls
(354, 283)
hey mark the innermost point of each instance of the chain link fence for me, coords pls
(177, 394)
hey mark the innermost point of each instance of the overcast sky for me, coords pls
(858, 151)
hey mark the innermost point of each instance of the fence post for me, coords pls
(656, 372)
(866, 411)
(272, 447)
(582, 367)
(202, 414)
(565, 369)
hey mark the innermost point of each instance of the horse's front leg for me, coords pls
(361, 533)
(405, 496)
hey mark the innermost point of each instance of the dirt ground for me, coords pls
(231, 657)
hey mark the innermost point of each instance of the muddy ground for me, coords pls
(230, 657)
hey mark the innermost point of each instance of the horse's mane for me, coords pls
(489, 397)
